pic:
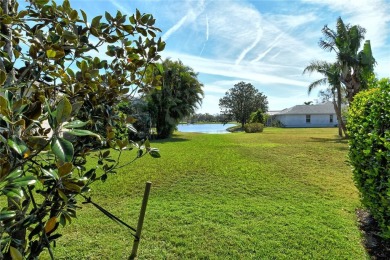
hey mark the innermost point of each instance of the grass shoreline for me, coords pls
(281, 194)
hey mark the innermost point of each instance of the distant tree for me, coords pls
(239, 102)
(57, 95)
(177, 98)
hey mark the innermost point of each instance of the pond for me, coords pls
(205, 128)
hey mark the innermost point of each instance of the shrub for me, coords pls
(254, 128)
(258, 117)
(369, 153)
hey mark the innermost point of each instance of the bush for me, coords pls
(369, 153)
(258, 117)
(254, 128)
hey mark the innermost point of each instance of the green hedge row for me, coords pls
(369, 153)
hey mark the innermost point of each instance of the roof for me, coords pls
(273, 112)
(324, 108)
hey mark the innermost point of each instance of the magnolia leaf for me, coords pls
(50, 173)
(4, 109)
(64, 110)
(96, 21)
(131, 128)
(75, 124)
(73, 15)
(72, 186)
(7, 215)
(65, 169)
(36, 142)
(15, 254)
(41, 2)
(154, 152)
(81, 132)
(15, 174)
(13, 193)
(62, 195)
(63, 149)
(50, 224)
(3, 77)
(51, 53)
(18, 145)
(84, 16)
(25, 181)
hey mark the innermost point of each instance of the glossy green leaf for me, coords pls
(68, 35)
(73, 15)
(17, 145)
(13, 193)
(63, 149)
(25, 181)
(64, 110)
(7, 214)
(50, 173)
(155, 153)
(14, 174)
(84, 16)
(81, 132)
(96, 21)
(75, 124)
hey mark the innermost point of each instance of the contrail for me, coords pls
(258, 38)
(207, 35)
(121, 7)
(207, 28)
(174, 28)
(262, 55)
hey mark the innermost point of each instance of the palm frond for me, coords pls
(317, 83)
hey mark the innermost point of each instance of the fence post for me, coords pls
(140, 220)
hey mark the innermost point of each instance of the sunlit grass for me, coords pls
(280, 194)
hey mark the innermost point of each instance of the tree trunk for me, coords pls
(337, 108)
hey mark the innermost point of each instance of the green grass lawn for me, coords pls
(280, 194)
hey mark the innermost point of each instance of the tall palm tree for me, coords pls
(331, 73)
(355, 66)
(179, 96)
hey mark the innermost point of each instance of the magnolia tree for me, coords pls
(57, 103)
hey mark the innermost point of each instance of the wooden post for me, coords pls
(140, 220)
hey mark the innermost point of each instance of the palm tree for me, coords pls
(179, 96)
(355, 66)
(331, 72)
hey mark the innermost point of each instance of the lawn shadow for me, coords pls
(170, 140)
(329, 140)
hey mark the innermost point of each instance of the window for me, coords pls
(308, 119)
(330, 118)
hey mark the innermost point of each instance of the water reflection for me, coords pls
(205, 128)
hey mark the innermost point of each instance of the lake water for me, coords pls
(205, 128)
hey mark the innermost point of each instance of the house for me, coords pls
(320, 115)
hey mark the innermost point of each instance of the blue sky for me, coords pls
(267, 43)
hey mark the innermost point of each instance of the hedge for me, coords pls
(369, 153)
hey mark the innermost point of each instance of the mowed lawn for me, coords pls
(281, 194)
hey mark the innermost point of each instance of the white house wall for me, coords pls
(300, 120)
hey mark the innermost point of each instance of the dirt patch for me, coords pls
(376, 246)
